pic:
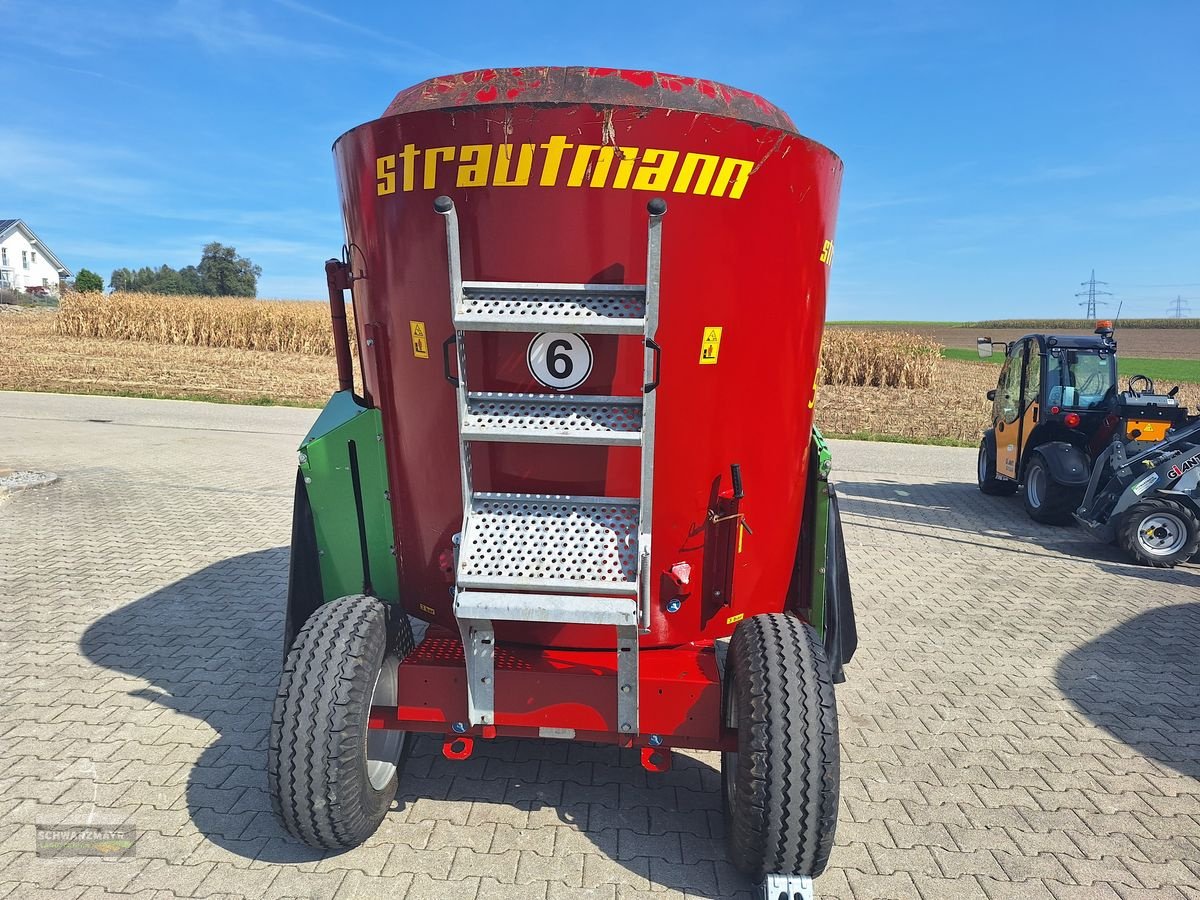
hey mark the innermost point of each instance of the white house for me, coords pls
(25, 262)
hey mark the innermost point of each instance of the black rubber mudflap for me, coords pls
(841, 630)
(781, 813)
(304, 570)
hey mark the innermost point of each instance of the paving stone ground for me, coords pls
(1022, 719)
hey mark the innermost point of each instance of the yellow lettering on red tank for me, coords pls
(385, 171)
(593, 165)
(708, 168)
(743, 166)
(626, 157)
(555, 148)
(474, 164)
(431, 160)
(582, 167)
(656, 178)
(524, 165)
(408, 156)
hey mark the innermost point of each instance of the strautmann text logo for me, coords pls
(559, 161)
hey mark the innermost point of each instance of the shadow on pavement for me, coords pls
(1141, 683)
(957, 512)
(210, 645)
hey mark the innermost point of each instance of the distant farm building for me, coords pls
(26, 264)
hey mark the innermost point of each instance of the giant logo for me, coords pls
(1179, 468)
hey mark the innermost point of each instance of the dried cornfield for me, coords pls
(238, 323)
(33, 357)
(878, 358)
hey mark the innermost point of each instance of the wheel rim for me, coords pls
(983, 473)
(1161, 534)
(1035, 485)
(384, 746)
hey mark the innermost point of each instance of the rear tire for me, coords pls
(985, 473)
(781, 786)
(331, 778)
(1046, 500)
(1159, 533)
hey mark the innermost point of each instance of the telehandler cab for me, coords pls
(1056, 407)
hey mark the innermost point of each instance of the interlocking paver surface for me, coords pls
(1022, 718)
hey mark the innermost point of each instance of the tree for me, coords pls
(88, 282)
(221, 273)
(190, 281)
(225, 274)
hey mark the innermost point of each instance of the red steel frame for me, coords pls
(547, 692)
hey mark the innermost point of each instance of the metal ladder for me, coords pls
(552, 558)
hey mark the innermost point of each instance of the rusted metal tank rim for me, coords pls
(567, 86)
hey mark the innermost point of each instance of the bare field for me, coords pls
(34, 358)
(1153, 343)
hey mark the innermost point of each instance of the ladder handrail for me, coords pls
(478, 634)
(445, 208)
(657, 209)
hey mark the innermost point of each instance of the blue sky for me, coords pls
(995, 153)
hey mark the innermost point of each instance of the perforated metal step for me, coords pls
(559, 544)
(553, 419)
(554, 608)
(520, 306)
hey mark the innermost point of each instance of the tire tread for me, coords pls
(315, 765)
(785, 814)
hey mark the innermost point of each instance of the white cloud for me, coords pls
(224, 30)
(1069, 172)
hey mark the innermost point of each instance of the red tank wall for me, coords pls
(751, 265)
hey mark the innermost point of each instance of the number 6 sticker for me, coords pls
(559, 360)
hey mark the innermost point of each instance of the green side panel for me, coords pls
(824, 456)
(343, 429)
(820, 539)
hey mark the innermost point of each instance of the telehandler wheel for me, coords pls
(986, 473)
(1159, 532)
(780, 787)
(1046, 500)
(331, 778)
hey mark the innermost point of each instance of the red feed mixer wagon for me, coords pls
(588, 307)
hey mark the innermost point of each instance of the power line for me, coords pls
(1178, 309)
(1091, 293)
(1175, 284)
(1153, 301)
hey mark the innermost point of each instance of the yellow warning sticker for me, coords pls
(736, 618)
(419, 341)
(428, 610)
(710, 345)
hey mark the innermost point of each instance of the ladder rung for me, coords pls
(522, 306)
(553, 419)
(555, 608)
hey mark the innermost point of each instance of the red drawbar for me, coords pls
(545, 692)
